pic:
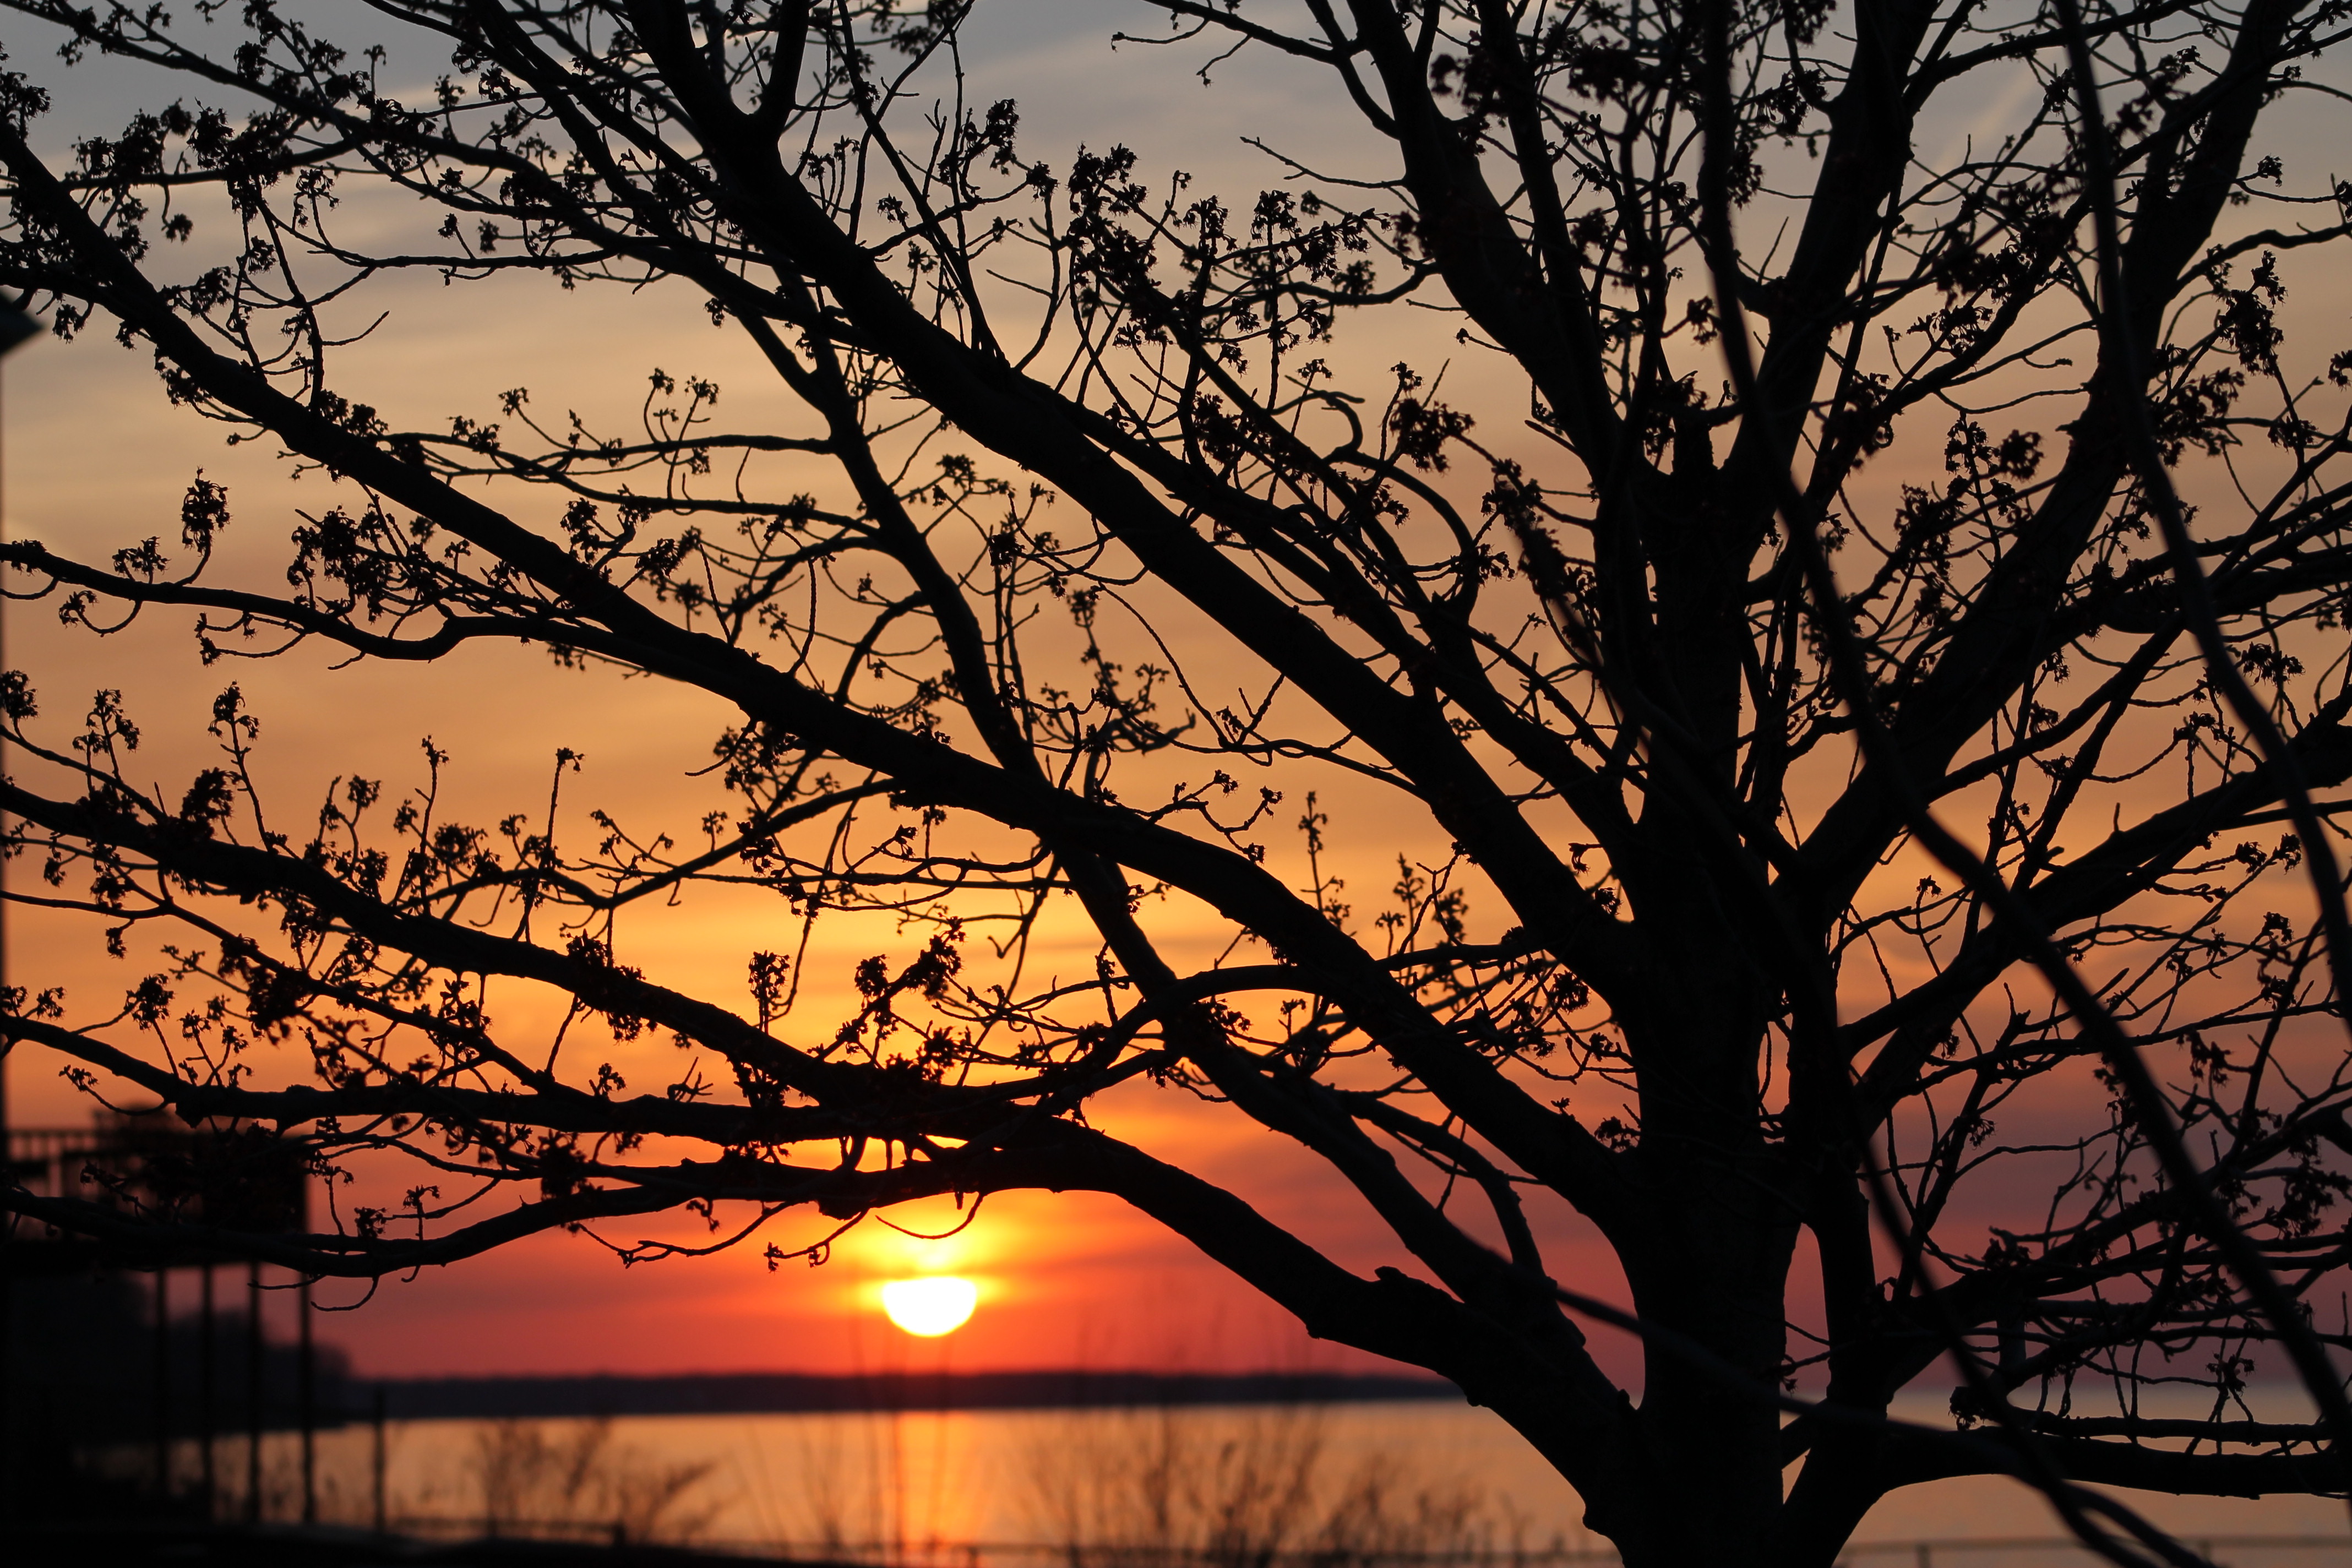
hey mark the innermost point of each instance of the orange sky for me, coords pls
(1064, 1278)
(1067, 1279)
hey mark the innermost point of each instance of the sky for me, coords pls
(96, 458)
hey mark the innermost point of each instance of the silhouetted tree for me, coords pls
(1813, 728)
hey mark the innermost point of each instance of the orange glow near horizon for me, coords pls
(930, 1308)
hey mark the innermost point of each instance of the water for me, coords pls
(1009, 1488)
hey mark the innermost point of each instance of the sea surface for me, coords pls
(1116, 1487)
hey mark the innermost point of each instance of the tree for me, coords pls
(1672, 649)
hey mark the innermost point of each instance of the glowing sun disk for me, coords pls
(930, 1307)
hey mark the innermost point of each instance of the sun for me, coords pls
(930, 1307)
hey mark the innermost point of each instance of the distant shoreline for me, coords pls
(763, 1392)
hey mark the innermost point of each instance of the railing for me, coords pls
(236, 1174)
(49, 1160)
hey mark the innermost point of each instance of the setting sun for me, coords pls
(932, 1306)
